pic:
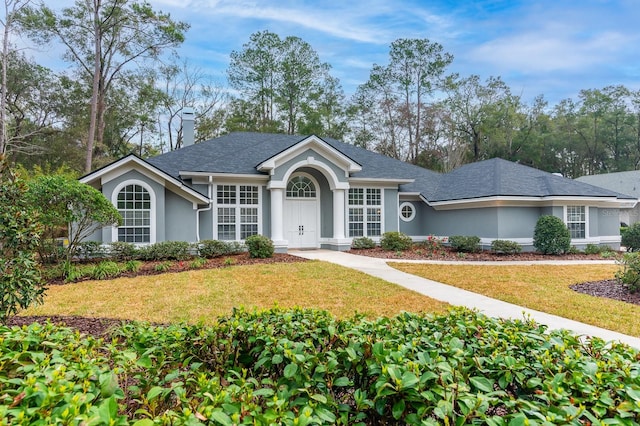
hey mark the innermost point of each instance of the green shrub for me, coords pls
(362, 243)
(551, 235)
(89, 250)
(120, 250)
(465, 244)
(132, 266)
(166, 250)
(198, 263)
(596, 249)
(162, 267)
(629, 272)
(505, 246)
(259, 246)
(631, 237)
(216, 248)
(396, 241)
(105, 269)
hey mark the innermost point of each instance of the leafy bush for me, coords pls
(198, 263)
(166, 250)
(20, 280)
(259, 246)
(465, 244)
(362, 243)
(396, 241)
(120, 250)
(551, 235)
(132, 266)
(105, 269)
(306, 367)
(631, 237)
(89, 250)
(629, 272)
(216, 248)
(505, 246)
(162, 267)
(434, 244)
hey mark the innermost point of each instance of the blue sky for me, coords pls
(550, 47)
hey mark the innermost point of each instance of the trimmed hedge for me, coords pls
(396, 241)
(465, 244)
(551, 235)
(631, 237)
(505, 247)
(362, 243)
(259, 246)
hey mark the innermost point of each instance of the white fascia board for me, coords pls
(311, 142)
(413, 196)
(513, 201)
(236, 177)
(111, 171)
(379, 181)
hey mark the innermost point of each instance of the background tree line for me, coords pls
(126, 87)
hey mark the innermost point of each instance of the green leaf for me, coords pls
(219, 416)
(108, 384)
(277, 359)
(290, 370)
(483, 384)
(154, 392)
(144, 422)
(341, 381)
(398, 409)
(319, 397)
(144, 362)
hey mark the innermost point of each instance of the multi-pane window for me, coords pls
(134, 205)
(301, 187)
(237, 211)
(365, 212)
(577, 221)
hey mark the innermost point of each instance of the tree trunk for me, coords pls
(95, 5)
(3, 92)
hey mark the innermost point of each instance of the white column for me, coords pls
(338, 214)
(277, 215)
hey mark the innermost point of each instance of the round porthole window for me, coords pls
(407, 211)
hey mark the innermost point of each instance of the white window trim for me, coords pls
(413, 211)
(152, 214)
(364, 207)
(586, 221)
(237, 206)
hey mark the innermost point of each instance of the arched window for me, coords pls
(301, 187)
(134, 204)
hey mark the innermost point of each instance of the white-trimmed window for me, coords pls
(407, 211)
(365, 212)
(576, 220)
(238, 207)
(135, 204)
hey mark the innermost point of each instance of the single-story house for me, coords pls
(625, 182)
(313, 192)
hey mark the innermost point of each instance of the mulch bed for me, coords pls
(101, 327)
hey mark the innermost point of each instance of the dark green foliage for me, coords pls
(629, 272)
(306, 367)
(465, 244)
(89, 250)
(596, 249)
(396, 241)
(216, 248)
(259, 246)
(631, 237)
(362, 243)
(20, 281)
(505, 246)
(165, 250)
(120, 250)
(551, 235)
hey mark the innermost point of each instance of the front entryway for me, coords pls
(300, 218)
(301, 213)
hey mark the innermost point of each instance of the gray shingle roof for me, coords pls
(625, 182)
(240, 153)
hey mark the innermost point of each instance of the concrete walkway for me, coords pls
(456, 296)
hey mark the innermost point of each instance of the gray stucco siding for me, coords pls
(482, 222)
(417, 226)
(516, 222)
(159, 192)
(266, 211)
(390, 210)
(180, 218)
(281, 170)
(607, 221)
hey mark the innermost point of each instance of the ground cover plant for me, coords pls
(202, 295)
(300, 367)
(542, 287)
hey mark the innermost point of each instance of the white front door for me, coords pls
(301, 222)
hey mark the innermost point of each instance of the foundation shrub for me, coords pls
(259, 246)
(505, 247)
(551, 235)
(362, 243)
(210, 249)
(631, 237)
(120, 250)
(166, 250)
(465, 244)
(396, 241)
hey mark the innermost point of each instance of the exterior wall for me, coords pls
(479, 222)
(266, 211)
(517, 222)
(280, 172)
(159, 193)
(416, 228)
(390, 200)
(180, 219)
